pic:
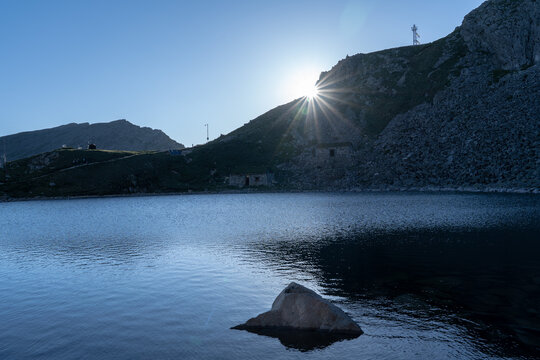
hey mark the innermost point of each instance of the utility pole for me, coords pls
(4, 162)
(207, 133)
(415, 35)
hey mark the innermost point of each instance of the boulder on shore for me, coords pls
(299, 308)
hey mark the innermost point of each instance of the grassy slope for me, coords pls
(255, 147)
(99, 172)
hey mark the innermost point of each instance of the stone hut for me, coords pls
(332, 153)
(250, 180)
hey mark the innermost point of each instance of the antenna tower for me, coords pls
(415, 35)
(207, 132)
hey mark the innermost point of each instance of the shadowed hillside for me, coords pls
(71, 172)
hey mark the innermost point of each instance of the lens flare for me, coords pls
(301, 83)
(312, 92)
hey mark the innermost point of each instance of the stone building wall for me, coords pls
(250, 180)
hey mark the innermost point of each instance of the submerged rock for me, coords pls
(299, 308)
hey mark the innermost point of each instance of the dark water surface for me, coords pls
(427, 276)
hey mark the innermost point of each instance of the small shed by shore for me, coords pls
(251, 180)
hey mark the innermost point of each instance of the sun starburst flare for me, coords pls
(317, 110)
(312, 92)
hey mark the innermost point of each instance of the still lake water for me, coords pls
(427, 276)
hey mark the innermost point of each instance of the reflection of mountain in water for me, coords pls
(489, 281)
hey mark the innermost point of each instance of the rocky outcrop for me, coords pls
(509, 30)
(300, 308)
(459, 113)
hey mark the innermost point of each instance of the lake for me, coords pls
(425, 275)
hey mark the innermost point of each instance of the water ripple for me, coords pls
(426, 275)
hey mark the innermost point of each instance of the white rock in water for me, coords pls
(298, 307)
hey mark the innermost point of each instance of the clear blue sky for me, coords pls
(176, 65)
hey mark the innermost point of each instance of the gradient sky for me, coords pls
(176, 65)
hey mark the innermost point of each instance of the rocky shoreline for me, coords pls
(459, 190)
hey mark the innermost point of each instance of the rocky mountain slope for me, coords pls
(115, 135)
(462, 112)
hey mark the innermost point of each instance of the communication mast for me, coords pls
(207, 132)
(415, 35)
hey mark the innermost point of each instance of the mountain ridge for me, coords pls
(115, 135)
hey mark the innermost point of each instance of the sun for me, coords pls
(312, 92)
(302, 84)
